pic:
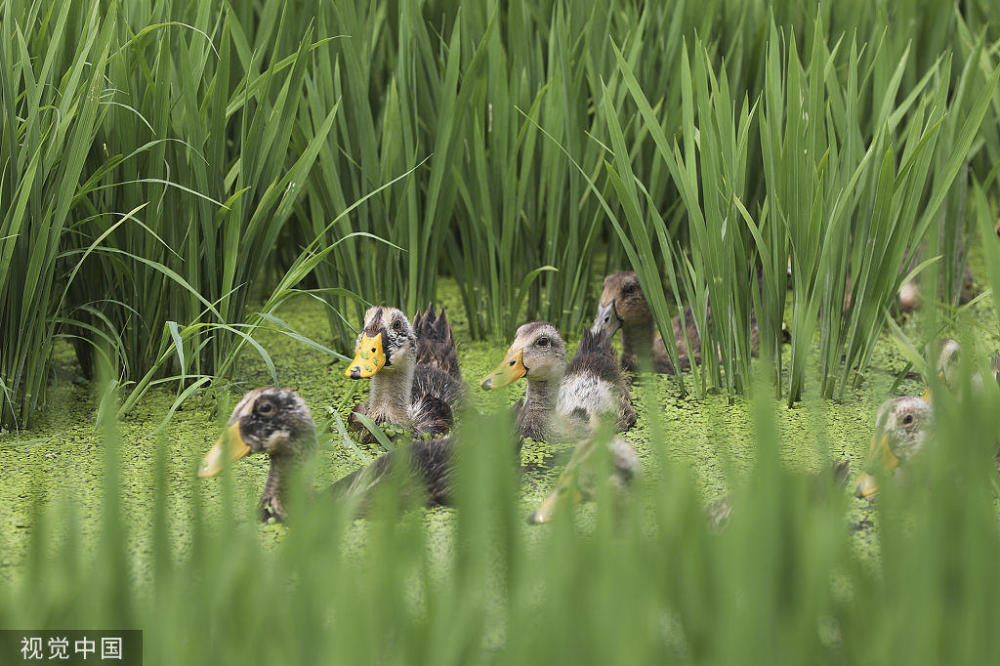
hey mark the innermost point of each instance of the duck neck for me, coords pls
(283, 466)
(637, 343)
(277, 475)
(539, 406)
(389, 395)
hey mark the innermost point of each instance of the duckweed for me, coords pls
(711, 436)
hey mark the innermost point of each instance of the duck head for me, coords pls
(538, 353)
(622, 304)
(387, 339)
(946, 353)
(901, 430)
(266, 420)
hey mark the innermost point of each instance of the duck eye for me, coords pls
(631, 288)
(542, 342)
(908, 419)
(265, 408)
(397, 325)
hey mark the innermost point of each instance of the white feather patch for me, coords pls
(587, 392)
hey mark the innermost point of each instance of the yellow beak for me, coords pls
(230, 446)
(369, 359)
(565, 493)
(927, 396)
(866, 485)
(510, 370)
(879, 453)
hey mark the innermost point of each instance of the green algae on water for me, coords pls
(711, 437)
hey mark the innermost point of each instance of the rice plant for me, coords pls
(168, 202)
(219, 243)
(52, 111)
(217, 142)
(841, 205)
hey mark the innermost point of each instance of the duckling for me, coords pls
(560, 402)
(577, 482)
(416, 383)
(902, 427)
(278, 422)
(539, 355)
(593, 364)
(267, 420)
(568, 403)
(948, 353)
(909, 295)
(909, 292)
(624, 306)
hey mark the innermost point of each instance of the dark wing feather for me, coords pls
(432, 416)
(434, 461)
(431, 381)
(595, 355)
(686, 327)
(426, 475)
(436, 342)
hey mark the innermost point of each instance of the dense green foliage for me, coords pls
(167, 169)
